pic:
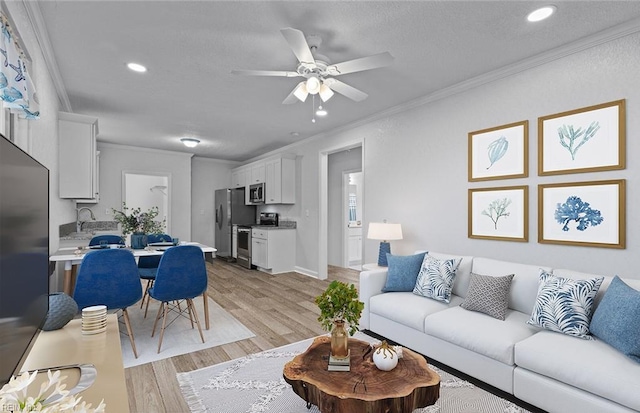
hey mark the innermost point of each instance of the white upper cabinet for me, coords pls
(79, 168)
(239, 177)
(280, 176)
(257, 173)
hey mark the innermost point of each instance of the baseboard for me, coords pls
(305, 271)
(479, 383)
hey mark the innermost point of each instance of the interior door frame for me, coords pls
(323, 207)
(150, 173)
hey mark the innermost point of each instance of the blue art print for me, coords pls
(572, 139)
(497, 149)
(496, 210)
(575, 209)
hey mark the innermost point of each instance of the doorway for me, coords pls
(146, 190)
(331, 225)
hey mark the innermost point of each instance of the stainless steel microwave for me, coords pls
(256, 193)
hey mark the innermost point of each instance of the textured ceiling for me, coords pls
(190, 48)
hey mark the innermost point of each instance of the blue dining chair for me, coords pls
(182, 275)
(109, 277)
(111, 239)
(147, 267)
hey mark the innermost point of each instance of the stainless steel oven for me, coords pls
(244, 246)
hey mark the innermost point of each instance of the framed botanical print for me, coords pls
(589, 139)
(499, 213)
(582, 213)
(499, 153)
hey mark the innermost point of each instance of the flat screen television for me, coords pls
(24, 255)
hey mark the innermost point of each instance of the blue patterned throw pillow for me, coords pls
(565, 305)
(403, 271)
(435, 279)
(616, 321)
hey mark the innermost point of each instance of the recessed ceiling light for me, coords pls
(541, 13)
(190, 142)
(136, 67)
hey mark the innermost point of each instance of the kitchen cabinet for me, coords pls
(78, 157)
(239, 178)
(273, 250)
(257, 174)
(280, 181)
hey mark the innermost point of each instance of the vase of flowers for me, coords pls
(339, 306)
(138, 224)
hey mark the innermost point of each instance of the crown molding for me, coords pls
(42, 36)
(116, 146)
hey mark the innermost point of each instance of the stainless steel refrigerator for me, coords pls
(230, 210)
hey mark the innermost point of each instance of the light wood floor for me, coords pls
(279, 309)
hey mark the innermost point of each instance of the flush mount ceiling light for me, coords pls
(541, 13)
(136, 67)
(190, 142)
(321, 111)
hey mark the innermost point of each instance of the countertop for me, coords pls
(270, 227)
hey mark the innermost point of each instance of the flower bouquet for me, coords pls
(137, 221)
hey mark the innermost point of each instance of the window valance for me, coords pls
(16, 88)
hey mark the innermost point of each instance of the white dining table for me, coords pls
(72, 257)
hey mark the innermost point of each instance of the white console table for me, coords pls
(69, 346)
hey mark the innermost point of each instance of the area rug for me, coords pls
(254, 384)
(179, 337)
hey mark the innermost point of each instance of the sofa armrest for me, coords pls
(371, 283)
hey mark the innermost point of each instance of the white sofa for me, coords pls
(553, 371)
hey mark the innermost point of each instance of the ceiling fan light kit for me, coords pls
(318, 71)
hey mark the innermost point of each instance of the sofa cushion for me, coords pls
(435, 279)
(480, 333)
(407, 308)
(590, 365)
(616, 321)
(489, 295)
(403, 271)
(565, 305)
(524, 287)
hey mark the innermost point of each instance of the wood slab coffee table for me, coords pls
(364, 389)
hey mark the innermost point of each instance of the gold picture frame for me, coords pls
(588, 213)
(588, 139)
(500, 213)
(501, 152)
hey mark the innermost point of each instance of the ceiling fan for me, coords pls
(318, 71)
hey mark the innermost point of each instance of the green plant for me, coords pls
(138, 221)
(339, 302)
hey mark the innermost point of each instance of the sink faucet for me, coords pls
(78, 222)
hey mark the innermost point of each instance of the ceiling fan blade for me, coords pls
(346, 90)
(298, 44)
(281, 73)
(363, 63)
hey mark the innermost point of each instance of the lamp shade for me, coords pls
(384, 231)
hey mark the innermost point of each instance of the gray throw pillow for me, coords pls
(488, 295)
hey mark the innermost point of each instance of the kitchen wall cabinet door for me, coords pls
(239, 178)
(78, 158)
(280, 178)
(257, 174)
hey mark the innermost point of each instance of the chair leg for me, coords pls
(195, 314)
(189, 309)
(164, 324)
(157, 317)
(129, 331)
(146, 309)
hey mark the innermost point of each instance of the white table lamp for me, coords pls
(384, 232)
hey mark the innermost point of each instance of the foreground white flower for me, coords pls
(13, 396)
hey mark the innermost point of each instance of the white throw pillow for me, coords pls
(435, 279)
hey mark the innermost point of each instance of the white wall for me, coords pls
(114, 159)
(415, 162)
(339, 162)
(207, 175)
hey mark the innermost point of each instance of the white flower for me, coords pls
(13, 396)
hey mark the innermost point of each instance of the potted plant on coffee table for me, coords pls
(339, 306)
